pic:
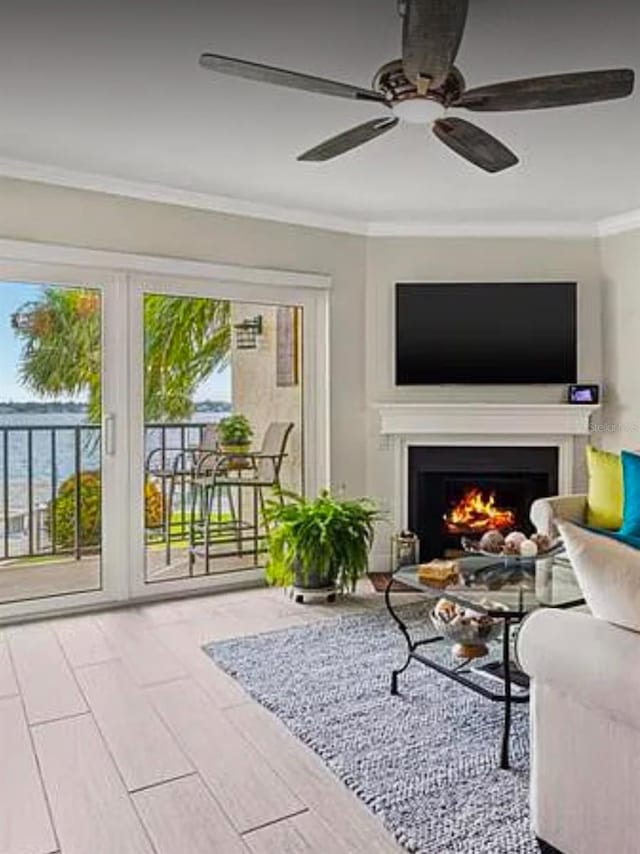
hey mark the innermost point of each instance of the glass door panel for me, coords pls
(206, 359)
(50, 440)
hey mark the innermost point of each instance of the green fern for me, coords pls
(325, 536)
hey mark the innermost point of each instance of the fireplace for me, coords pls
(465, 491)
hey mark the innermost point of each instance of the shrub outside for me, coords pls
(63, 511)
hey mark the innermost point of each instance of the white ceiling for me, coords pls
(114, 89)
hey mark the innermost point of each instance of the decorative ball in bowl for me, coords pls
(470, 631)
(513, 547)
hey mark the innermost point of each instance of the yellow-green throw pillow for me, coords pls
(606, 493)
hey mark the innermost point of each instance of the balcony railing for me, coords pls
(36, 460)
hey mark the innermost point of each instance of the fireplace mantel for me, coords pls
(403, 425)
(407, 419)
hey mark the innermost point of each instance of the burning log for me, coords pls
(476, 513)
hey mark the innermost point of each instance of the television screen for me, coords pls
(486, 333)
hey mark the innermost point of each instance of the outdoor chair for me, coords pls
(258, 471)
(174, 467)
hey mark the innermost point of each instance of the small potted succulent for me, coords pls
(319, 543)
(235, 434)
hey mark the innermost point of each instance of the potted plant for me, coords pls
(235, 434)
(319, 543)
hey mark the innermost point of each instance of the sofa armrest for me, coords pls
(545, 511)
(593, 662)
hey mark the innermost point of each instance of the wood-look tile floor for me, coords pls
(119, 736)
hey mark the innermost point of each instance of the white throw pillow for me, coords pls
(608, 572)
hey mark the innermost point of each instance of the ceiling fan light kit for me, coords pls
(424, 84)
(418, 111)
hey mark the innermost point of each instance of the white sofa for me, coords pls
(585, 720)
(545, 511)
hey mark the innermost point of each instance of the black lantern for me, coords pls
(247, 333)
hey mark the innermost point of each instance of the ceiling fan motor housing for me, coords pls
(391, 81)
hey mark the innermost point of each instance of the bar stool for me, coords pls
(177, 470)
(229, 474)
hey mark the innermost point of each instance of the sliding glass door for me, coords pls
(121, 475)
(207, 358)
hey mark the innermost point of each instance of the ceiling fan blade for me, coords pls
(282, 77)
(431, 35)
(349, 139)
(557, 90)
(474, 144)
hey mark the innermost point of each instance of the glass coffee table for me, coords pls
(505, 589)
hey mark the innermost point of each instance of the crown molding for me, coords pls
(159, 193)
(536, 229)
(150, 192)
(620, 224)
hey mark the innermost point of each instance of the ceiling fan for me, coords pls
(424, 84)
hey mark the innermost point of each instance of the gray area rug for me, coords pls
(425, 762)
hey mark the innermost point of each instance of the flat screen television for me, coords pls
(486, 333)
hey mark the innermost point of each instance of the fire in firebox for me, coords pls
(477, 512)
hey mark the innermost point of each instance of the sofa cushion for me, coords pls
(605, 498)
(628, 539)
(608, 572)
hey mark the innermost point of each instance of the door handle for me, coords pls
(110, 435)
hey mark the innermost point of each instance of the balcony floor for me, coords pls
(95, 769)
(26, 579)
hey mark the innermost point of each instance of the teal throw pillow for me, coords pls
(631, 508)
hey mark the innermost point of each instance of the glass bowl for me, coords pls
(469, 634)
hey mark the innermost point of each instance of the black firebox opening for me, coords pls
(464, 491)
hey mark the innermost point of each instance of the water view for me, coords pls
(53, 459)
(50, 397)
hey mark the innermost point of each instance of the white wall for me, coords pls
(390, 260)
(421, 259)
(621, 273)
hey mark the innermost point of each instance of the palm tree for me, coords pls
(186, 340)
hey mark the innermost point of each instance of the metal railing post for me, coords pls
(53, 522)
(30, 489)
(77, 545)
(5, 490)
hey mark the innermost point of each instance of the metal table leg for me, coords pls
(460, 674)
(405, 633)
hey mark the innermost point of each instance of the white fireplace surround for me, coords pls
(405, 425)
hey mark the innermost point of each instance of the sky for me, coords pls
(12, 296)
